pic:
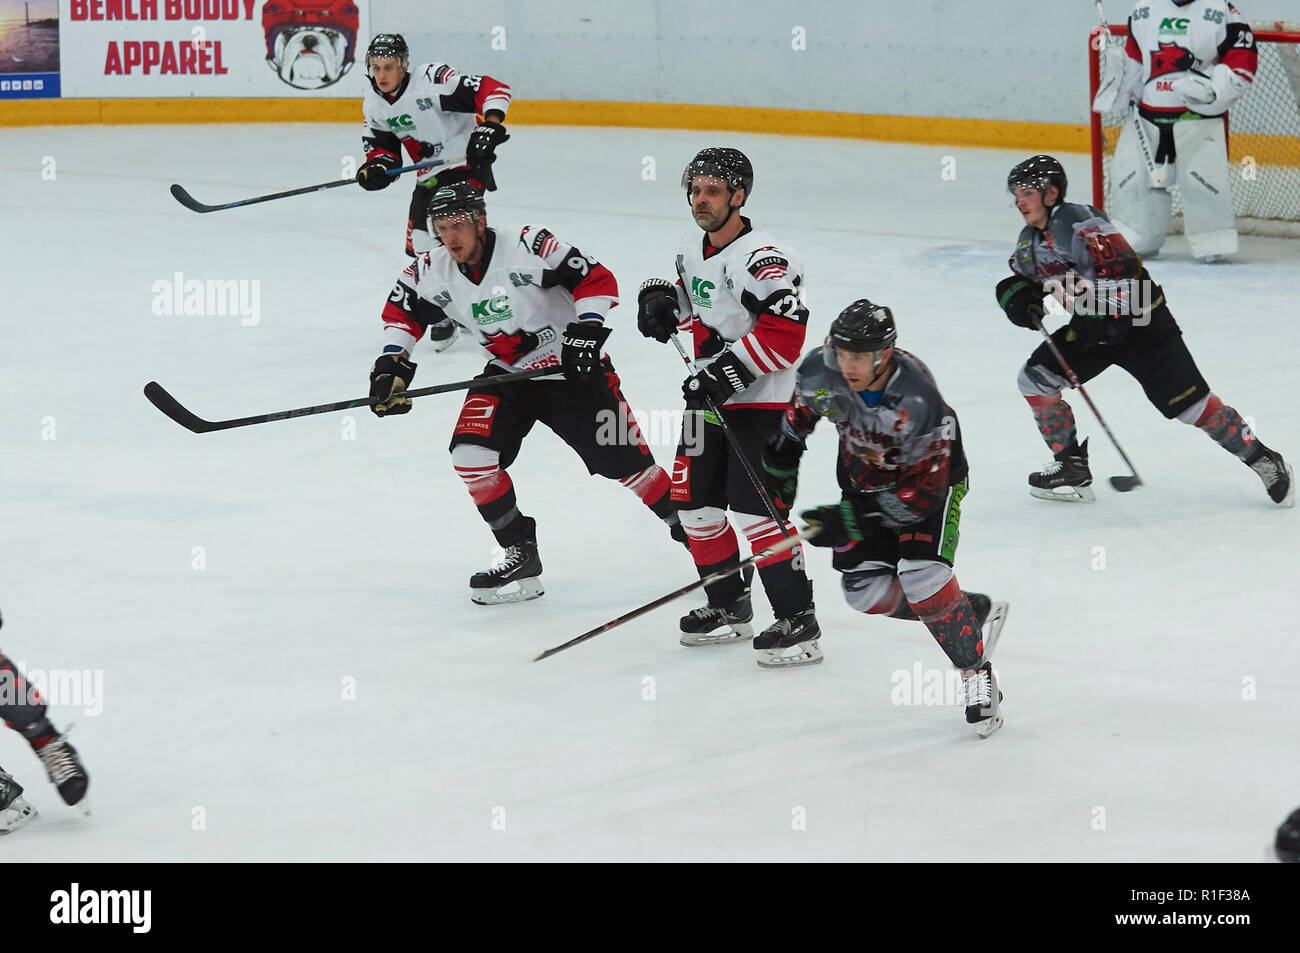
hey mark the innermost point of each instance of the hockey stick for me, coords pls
(174, 409)
(1121, 483)
(1133, 116)
(735, 445)
(194, 205)
(790, 542)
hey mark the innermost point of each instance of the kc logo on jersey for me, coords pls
(491, 310)
(767, 262)
(700, 291)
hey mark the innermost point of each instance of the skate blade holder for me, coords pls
(739, 632)
(806, 653)
(519, 590)
(1064, 494)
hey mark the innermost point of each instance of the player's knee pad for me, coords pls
(704, 522)
(1035, 380)
(922, 578)
(480, 469)
(873, 588)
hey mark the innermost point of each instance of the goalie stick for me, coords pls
(177, 411)
(788, 543)
(191, 203)
(1108, 38)
(1121, 483)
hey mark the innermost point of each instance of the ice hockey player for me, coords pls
(740, 294)
(903, 475)
(431, 112)
(1119, 317)
(23, 710)
(1185, 63)
(531, 302)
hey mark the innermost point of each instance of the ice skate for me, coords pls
(700, 626)
(65, 769)
(14, 809)
(516, 578)
(444, 334)
(1277, 476)
(983, 699)
(1067, 478)
(790, 642)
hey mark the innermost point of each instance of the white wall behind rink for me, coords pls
(1018, 60)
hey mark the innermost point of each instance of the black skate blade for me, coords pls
(1124, 484)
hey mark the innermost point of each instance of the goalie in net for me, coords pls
(1260, 148)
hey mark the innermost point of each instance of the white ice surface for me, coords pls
(330, 558)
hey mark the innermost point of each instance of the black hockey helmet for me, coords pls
(1039, 172)
(449, 199)
(862, 326)
(388, 44)
(730, 165)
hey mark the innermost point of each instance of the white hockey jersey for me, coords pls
(432, 116)
(750, 293)
(1167, 40)
(516, 305)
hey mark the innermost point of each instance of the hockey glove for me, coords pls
(580, 350)
(373, 175)
(1021, 299)
(656, 309)
(781, 471)
(840, 524)
(481, 152)
(389, 379)
(718, 382)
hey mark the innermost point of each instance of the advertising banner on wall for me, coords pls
(213, 48)
(29, 49)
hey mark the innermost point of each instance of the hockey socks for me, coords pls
(786, 584)
(953, 622)
(1225, 427)
(21, 706)
(1055, 421)
(714, 548)
(651, 486)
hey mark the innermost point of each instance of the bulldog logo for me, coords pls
(310, 43)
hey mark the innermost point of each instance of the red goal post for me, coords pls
(1263, 134)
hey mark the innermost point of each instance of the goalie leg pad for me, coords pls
(1208, 218)
(1140, 212)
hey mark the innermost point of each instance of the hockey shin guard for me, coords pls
(1055, 421)
(1225, 427)
(950, 618)
(784, 580)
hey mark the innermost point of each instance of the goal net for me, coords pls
(1263, 135)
